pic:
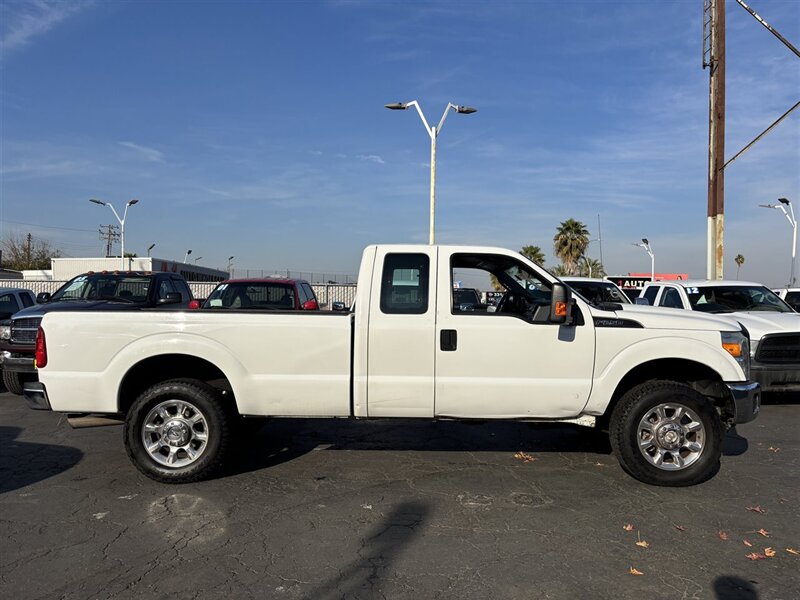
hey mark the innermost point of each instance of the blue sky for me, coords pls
(257, 129)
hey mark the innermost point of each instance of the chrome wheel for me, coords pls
(175, 433)
(671, 436)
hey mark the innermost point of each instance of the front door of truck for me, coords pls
(507, 361)
(400, 351)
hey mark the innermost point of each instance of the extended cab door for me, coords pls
(400, 339)
(508, 361)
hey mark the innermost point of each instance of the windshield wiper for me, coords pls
(117, 299)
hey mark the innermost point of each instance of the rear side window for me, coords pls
(793, 300)
(164, 288)
(404, 284)
(650, 293)
(180, 286)
(310, 292)
(302, 294)
(671, 298)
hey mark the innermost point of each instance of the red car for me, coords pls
(262, 294)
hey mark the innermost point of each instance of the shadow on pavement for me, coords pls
(780, 398)
(734, 444)
(282, 440)
(24, 463)
(380, 548)
(731, 587)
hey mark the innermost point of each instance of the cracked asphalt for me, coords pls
(324, 509)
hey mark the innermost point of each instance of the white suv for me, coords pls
(773, 327)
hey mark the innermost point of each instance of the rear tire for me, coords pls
(178, 431)
(666, 433)
(14, 381)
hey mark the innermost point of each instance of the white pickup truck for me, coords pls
(666, 384)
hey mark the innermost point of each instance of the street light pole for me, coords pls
(433, 132)
(185, 258)
(793, 222)
(230, 264)
(150, 248)
(646, 245)
(121, 223)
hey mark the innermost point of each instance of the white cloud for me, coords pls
(371, 158)
(28, 19)
(149, 153)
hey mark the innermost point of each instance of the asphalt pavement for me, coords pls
(325, 509)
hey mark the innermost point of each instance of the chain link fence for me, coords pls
(326, 293)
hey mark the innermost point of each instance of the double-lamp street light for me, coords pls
(646, 245)
(121, 223)
(434, 133)
(793, 222)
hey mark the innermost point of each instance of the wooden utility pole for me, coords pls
(714, 58)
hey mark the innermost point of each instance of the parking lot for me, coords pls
(396, 509)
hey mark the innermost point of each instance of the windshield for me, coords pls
(597, 292)
(725, 299)
(256, 295)
(99, 286)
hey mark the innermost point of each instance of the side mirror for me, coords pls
(310, 305)
(561, 305)
(338, 306)
(43, 297)
(171, 298)
(642, 301)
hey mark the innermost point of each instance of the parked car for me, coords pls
(12, 300)
(467, 299)
(597, 291)
(263, 294)
(128, 290)
(773, 327)
(666, 384)
(791, 296)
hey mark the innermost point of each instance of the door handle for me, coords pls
(448, 340)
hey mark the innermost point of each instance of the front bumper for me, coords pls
(746, 398)
(13, 361)
(36, 395)
(776, 378)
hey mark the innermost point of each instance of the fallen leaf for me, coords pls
(793, 551)
(756, 509)
(769, 552)
(756, 556)
(526, 458)
(722, 535)
(643, 544)
(771, 449)
(680, 527)
(746, 543)
(763, 532)
(635, 571)
(628, 527)
(599, 464)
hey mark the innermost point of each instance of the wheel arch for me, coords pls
(162, 367)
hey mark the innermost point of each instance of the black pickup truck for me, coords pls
(107, 290)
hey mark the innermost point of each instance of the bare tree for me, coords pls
(27, 252)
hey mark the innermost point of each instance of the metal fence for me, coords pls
(327, 293)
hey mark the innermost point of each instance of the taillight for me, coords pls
(194, 304)
(41, 349)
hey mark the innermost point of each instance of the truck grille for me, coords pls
(779, 348)
(23, 331)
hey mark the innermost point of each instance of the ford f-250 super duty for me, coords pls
(666, 384)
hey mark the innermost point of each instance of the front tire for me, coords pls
(178, 431)
(666, 433)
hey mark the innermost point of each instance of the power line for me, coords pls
(45, 226)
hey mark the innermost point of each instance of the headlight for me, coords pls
(5, 332)
(737, 345)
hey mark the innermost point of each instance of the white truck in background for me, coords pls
(666, 384)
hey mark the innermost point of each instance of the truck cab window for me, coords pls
(405, 283)
(671, 298)
(524, 293)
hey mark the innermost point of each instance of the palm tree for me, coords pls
(560, 271)
(591, 267)
(570, 243)
(739, 260)
(534, 254)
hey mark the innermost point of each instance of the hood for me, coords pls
(655, 317)
(760, 323)
(38, 310)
